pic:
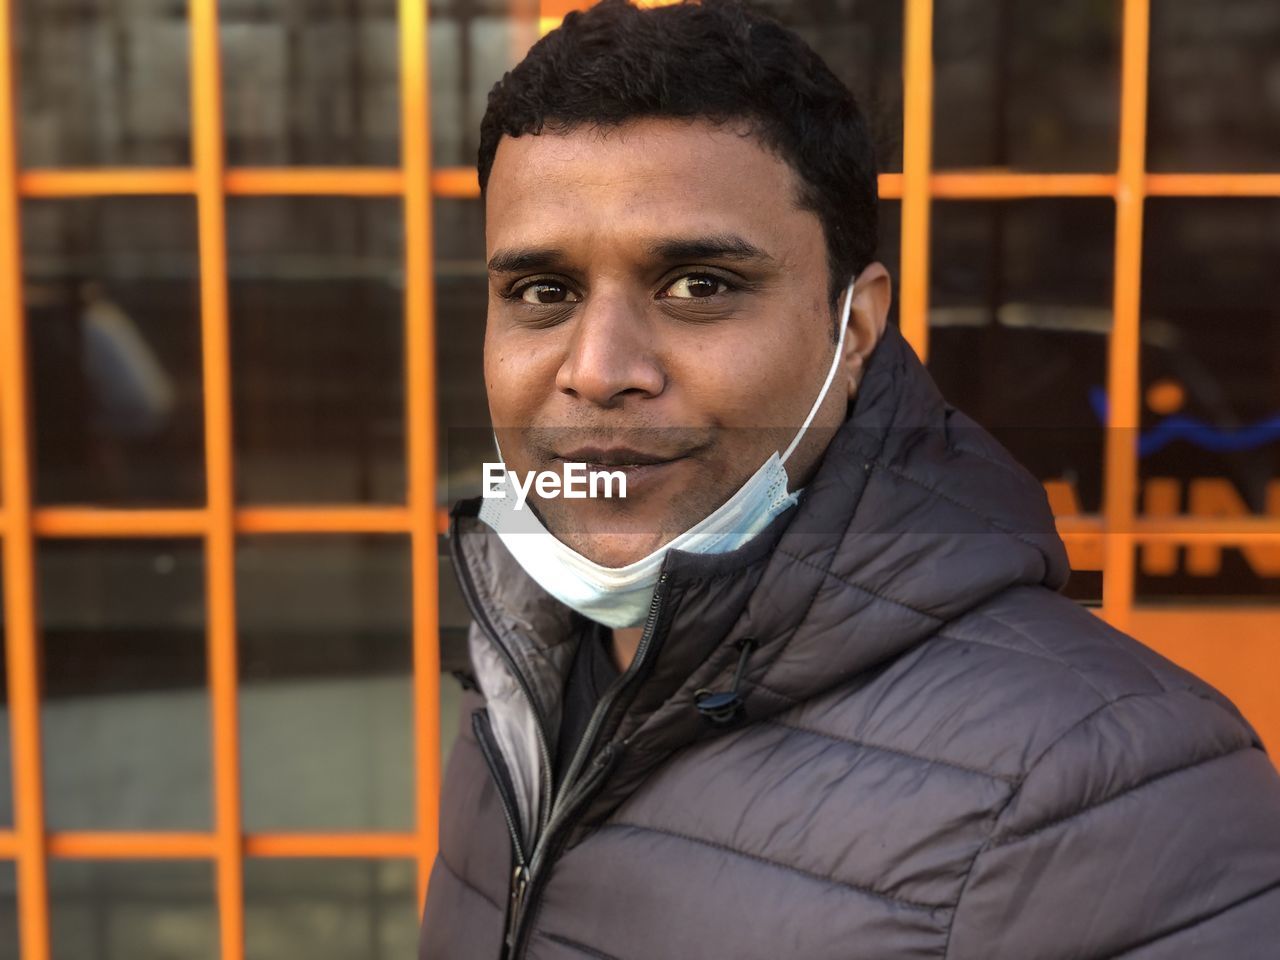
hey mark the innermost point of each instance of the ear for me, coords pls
(872, 294)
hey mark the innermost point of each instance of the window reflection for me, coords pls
(1210, 440)
(112, 301)
(1026, 85)
(1020, 312)
(125, 710)
(472, 44)
(133, 910)
(8, 910)
(325, 696)
(862, 44)
(103, 83)
(310, 82)
(1214, 101)
(462, 300)
(317, 337)
(330, 909)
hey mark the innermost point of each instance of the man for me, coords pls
(809, 690)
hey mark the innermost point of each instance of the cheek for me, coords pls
(723, 378)
(518, 377)
(501, 380)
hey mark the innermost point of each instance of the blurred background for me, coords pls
(231, 627)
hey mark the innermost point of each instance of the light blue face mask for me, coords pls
(620, 596)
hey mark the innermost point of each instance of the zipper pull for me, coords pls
(519, 883)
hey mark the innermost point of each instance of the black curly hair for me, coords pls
(716, 60)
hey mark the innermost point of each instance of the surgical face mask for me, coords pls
(620, 596)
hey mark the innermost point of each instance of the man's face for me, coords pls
(658, 304)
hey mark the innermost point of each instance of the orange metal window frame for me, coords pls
(219, 522)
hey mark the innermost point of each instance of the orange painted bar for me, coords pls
(917, 159)
(1004, 184)
(124, 845)
(558, 8)
(313, 181)
(455, 182)
(206, 92)
(358, 845)
(420, 418)
(72, 182)
(105, 522)
(22, 657)
(245, 181)
(133, 846)
(78, 522)
(320, 519)
(461, 183)
(1213, 184)
(1220, 531)
(1123, 384)
(889, 186)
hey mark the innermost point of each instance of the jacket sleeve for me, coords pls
(1150, 830)
(466, 895)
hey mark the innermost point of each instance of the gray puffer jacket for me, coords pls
(936, 753)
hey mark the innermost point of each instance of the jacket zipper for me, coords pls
(572, 795)
(527, 868)
(483, 729)
(598, 715)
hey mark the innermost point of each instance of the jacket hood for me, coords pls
(915, 515)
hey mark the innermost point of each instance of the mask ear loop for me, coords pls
(831, 374)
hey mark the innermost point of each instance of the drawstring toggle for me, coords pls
(723, 707)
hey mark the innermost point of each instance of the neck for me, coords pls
(625, 642)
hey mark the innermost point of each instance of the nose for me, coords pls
(611, 355)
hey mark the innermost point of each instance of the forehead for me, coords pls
(645, 177)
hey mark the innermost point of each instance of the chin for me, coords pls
(615, 549)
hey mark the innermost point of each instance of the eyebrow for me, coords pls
(533, 258)
(717, 246)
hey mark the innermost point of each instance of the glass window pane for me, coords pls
(1210, 439)
(326, 706)
(140, 910)
(112, 297)
(103, 83)
(1020, 311)
(462, 303)
(1026, 85)
(472, 44)
(8, 911)
(1214, 102)
(862, 44)
(310, 82)
(317, 316)
(125, 710)
(330, 909)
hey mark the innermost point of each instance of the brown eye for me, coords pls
(696, 286)
(546, 292)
